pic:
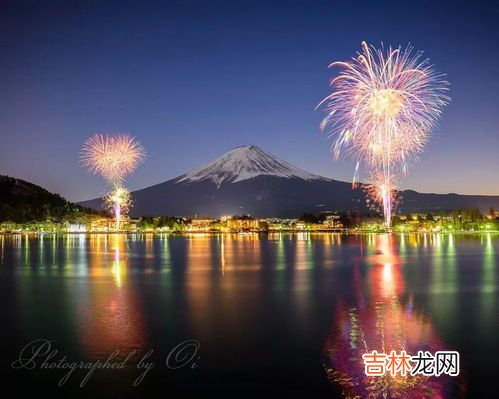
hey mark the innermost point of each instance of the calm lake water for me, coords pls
(285, 314)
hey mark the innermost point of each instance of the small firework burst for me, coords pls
(112, 157)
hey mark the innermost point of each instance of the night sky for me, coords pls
(193, 79)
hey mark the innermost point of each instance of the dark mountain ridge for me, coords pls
(247, 180)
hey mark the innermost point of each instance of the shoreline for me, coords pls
(245, 233)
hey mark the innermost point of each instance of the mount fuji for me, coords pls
(243, 163)
(248, 180)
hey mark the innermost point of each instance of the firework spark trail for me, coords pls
(114, 158)
(119, 201)
(381, 113)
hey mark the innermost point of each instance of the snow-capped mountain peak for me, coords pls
(243, 163)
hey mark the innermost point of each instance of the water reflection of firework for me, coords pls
(389, 326)
(382, 112)
(383, 323)
(112, 317)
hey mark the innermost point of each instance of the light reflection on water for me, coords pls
(381, 321)
(103, 292)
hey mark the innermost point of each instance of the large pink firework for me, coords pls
(383, 108)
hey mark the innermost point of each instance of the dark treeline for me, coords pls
(460, 219)
(172, 222)
(347, 219)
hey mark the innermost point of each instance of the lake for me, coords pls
(242, 315)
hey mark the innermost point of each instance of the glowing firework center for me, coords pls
(385, 103)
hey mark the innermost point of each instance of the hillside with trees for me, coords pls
(22, 201)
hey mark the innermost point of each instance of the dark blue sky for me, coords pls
(192, 79)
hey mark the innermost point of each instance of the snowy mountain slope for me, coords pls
(243, 163)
